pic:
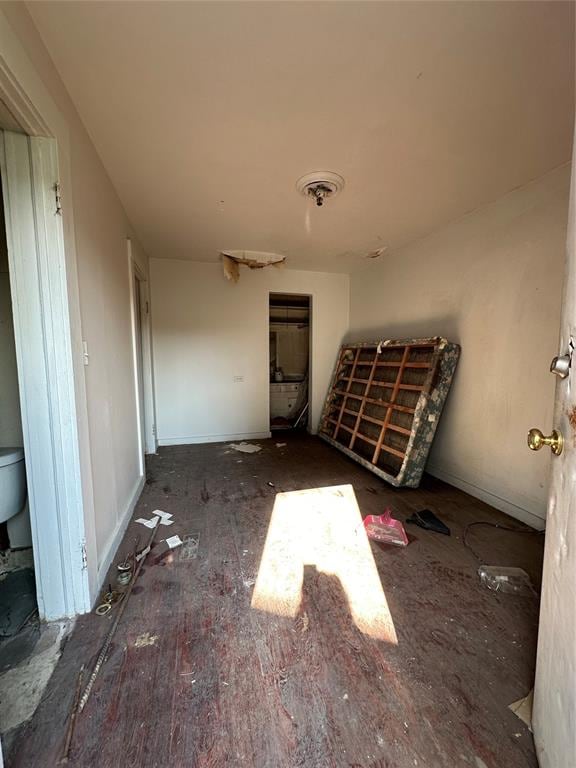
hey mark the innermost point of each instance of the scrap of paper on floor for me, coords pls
(152, 523)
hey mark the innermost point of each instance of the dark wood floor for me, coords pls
(198, 678)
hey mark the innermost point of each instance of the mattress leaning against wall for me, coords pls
(384, 403)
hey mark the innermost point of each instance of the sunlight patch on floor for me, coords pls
(321, 527)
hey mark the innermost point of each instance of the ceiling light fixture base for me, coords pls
(320, 186)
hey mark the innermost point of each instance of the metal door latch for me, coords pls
(560, 366)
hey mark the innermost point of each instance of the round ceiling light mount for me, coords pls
(320, 186)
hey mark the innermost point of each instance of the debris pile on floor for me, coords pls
(81, 701)
(244, 447)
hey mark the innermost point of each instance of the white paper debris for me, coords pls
(166, 521)
(152, 523)
(244, 447)
(163, 515)
(280, 445)
(174, 541)
(523, 709)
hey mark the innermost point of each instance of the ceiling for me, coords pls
(205, 115)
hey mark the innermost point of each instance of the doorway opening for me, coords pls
(289, 320)
(137, 305)
(142, 358)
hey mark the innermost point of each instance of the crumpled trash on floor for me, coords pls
(512, 581)
(244, 447)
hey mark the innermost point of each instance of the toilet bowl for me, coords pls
(13, 505)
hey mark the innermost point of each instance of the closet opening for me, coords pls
(289, 318)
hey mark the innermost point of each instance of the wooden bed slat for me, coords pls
(374, 401)
(380, 442)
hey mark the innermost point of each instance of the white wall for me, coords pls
(10, 421)
(96, 229)
(207, 330)
(492, 282)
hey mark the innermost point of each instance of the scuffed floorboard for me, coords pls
(198, 678)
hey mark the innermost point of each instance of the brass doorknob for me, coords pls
(536, 440)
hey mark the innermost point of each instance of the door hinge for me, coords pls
(84, 556)
(58, 197)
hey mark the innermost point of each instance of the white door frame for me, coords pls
(146, 441)
(47, 328)
(45, 374)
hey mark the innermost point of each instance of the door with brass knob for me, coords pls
(554, 710)
(537, 440)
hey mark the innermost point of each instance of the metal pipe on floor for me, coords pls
(110, 635)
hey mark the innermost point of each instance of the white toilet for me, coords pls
(13, 497)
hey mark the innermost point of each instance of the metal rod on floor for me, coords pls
(302, 413)
(72, 721)
(110, 635)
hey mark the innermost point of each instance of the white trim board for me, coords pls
(148, 439)
(508, 507)
(135, 274)
(42, 332)
(111, 549)
(198, 439)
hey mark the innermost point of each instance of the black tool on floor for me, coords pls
(425, 518)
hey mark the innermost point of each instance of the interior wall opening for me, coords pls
(289, 361)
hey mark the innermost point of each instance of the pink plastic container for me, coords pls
(385, 529)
